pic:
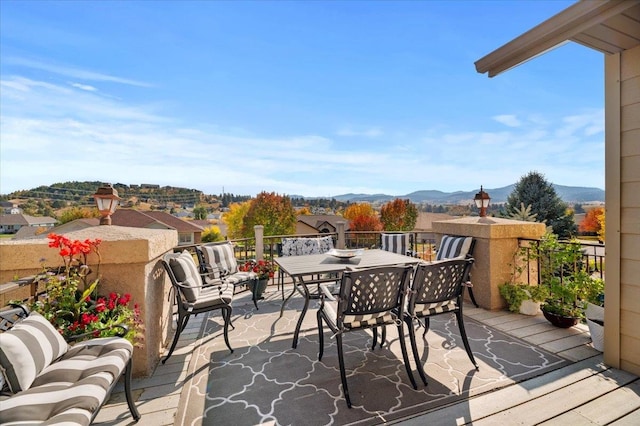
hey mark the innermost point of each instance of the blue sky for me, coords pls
(313, 98)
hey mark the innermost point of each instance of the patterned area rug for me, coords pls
(265, 381)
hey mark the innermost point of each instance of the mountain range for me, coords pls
(569, 194)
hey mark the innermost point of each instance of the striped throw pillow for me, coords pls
(452, 247)
(28, 348)
(221, 256)
(396, 243)
(186, 272)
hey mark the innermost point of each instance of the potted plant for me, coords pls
(570, 285)
(594, 314)
(72, 302)
(524, 298)
(264, 271)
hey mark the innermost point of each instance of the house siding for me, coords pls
(630, 210)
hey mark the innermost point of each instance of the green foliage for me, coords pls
(399, 215)
(523, 213)
(74, 213)
(515, 294)
(565, 274)
(534, 190)
(212, 234)
(200, 212)
(273, 211)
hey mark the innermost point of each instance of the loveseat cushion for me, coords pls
(27, 349)
(186, 272)
(71, 389)
(221, 256)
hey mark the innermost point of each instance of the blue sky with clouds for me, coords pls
(315, 98)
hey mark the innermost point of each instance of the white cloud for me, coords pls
(84, 87)
(509, 120)
(72, 72)
(54, 133)
(372, 132)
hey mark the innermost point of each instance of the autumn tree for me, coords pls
(234, 219)
(212, 234)
(303, 211)
(399, 215)
(359, 209)
(273, 211)
(590, 224)
(74, 213)
(601, 231)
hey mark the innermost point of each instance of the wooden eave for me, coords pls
(609, 26)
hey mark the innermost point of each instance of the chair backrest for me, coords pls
(437, 283)
(368, 295)
(452, 246)
(396, 243)
(299, 246)
(220, 256)
(184, 275)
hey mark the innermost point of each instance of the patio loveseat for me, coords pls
(47, 381)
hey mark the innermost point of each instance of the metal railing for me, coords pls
(592, 259)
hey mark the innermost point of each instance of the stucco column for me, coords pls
(258, 231)
(340, 226)
(129, 263)
(496, 242)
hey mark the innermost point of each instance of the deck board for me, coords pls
(559, 401)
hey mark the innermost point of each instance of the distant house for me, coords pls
(188, 233)
(9, 208)
(11, 223)
(317, 223)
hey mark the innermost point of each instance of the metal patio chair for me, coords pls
(437, 289)
(368, 298)
(192, 297)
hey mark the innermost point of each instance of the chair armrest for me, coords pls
(325, 292)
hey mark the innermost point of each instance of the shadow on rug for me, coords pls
(265, 381)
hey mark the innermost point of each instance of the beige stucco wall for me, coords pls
(496, 242)
(129, 264)
(622, 164)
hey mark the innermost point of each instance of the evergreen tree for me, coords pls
(533, 189)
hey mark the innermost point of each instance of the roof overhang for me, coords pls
(609, 26)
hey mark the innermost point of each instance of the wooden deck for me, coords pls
(585, 392)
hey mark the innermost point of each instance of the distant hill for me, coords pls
(569, 194)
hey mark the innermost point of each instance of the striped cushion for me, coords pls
(72, 388)
(426, 309)
(453, 247)
(27, 349)
(240, 278)
(186, 272)
(357, 321)
(396, 243)
(221, 256)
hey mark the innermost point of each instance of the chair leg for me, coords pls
(463, 333)
(127, 391)
(226, 314)
(343, 373)
(414, 349)
(375, 338)
(320, 336)
(426, 326)
(182, 323)
(405, 355)
(384, 335)
(471, 296)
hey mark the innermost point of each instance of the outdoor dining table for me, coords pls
(321, 268)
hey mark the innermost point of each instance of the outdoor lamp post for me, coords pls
(482, 200)
(106, 200)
